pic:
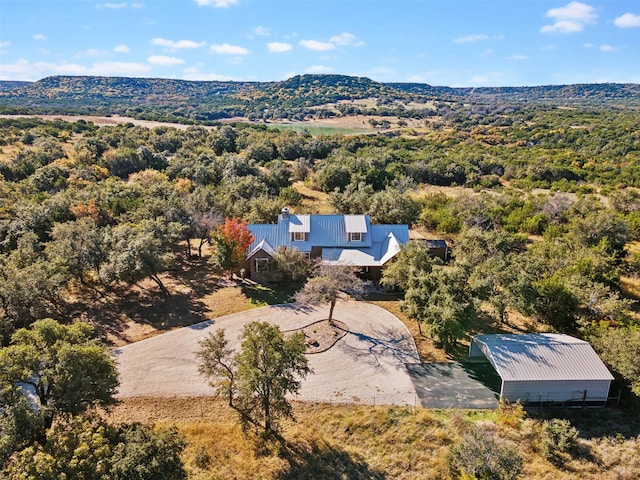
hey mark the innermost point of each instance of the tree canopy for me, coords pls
(257, 379)
(68, 370)
(326, 285)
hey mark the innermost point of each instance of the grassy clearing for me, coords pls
(358, 442)
(313, 201)
(317, 129)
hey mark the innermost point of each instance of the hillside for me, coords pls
(297, 97)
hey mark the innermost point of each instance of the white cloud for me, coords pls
(628, 20)
(226, 49)
(563, 26)
(518, 57)
(491, 79)
(121, 48)
(4, 44)
(607, 48)
(488, 51)
(118, 68)
(319, 69)
(317, 46)
(278, 47)
(378, 73)
(39, 37)
(588, 45)
(94, 52)
(216, 3)
(417, 78)
(137, 5)
(112, 6)
(470, 38)
(194, 73)
(164, 61)
(261, 31)
(570, 19)
(26, 70)
(179, 45)
(346, 40)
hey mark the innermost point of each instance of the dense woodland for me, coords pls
(545, 228)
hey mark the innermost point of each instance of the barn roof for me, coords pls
(542, 356)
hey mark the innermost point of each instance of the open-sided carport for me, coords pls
(451, 385)
(545, 368)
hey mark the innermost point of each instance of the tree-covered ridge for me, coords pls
(11, 84)
(316, 90)
(127, 87)
(580, 94)
(297, 97)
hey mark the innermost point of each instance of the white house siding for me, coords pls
(556, 391)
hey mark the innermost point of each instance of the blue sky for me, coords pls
(440, 42)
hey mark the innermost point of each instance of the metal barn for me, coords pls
(545, 368)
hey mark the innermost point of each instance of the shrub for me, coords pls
(201, 458)
(558, 436)
(480, 455)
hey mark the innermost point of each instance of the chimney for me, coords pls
(285, 213)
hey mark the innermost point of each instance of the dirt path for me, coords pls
(368, 365)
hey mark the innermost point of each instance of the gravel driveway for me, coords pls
(368, 365)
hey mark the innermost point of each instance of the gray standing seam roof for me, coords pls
(328, 232)
(355, 223)
(543, 356)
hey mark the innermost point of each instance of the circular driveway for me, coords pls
(368, 365)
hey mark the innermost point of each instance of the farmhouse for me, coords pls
(335, 239)
(545, 368)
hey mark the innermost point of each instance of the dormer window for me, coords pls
(299, 236)
(356, 227)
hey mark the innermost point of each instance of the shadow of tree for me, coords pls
(259, 294)
(316, 459)
(113, 310)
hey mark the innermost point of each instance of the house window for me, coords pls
(355, 236)
(262, 265)
(299, 236)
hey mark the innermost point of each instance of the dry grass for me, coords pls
(8, 152)
(358, 442)
(313, 201)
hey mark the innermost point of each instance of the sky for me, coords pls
(456, 43)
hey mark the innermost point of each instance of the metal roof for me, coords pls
(542, 356)
(379, 242)
(375, 256)
(434, 243)
(355, 224)
(299, 223)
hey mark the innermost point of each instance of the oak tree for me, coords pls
(256, 380)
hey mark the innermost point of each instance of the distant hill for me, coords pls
(11, 84)
(209, 100)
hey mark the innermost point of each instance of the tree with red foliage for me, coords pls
(230, 243)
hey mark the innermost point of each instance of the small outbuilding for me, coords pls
(545, 368)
